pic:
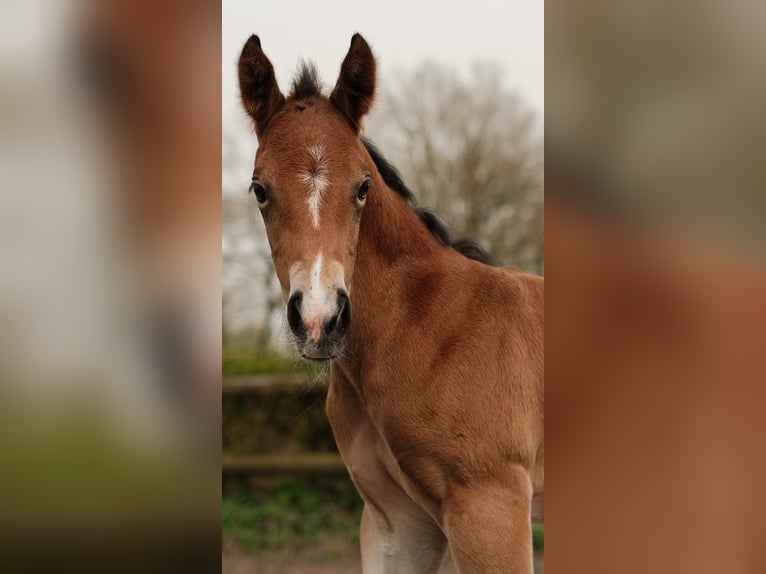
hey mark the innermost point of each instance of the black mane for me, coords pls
(433, 222)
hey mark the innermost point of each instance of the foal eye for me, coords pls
(361, 195)
(260, 192)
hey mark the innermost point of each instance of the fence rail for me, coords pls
(240, 384)
(300, 463)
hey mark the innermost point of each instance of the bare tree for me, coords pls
(470, 150)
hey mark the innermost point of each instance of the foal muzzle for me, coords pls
(319, 333)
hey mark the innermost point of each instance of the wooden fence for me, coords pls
(325, 463)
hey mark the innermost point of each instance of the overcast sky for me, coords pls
(402, 34)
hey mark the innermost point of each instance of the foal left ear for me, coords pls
(355, 90)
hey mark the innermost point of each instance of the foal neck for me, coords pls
(392, 234)
(399, 262)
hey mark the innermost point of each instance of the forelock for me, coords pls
(306, 83)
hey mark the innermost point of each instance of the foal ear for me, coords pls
(355, 90)
(258, 86)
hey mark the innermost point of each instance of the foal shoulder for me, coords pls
(506, 286)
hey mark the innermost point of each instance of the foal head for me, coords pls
(311, 179)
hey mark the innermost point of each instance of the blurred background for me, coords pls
(110, 286)
(656, 295)
(460, 113)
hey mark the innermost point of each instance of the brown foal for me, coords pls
(436, 386)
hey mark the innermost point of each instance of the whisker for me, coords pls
(307, 409)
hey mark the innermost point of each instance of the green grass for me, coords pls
(293, 514)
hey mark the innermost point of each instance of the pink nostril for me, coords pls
(314, 327)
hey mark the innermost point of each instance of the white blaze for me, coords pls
(316, 274)
(316, 179)
(317, 302)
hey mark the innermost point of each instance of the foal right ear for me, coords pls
(258, 85)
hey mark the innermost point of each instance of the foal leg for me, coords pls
(489, 527)
(400, 541)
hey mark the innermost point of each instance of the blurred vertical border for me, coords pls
(656, 298)
(110, 232)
